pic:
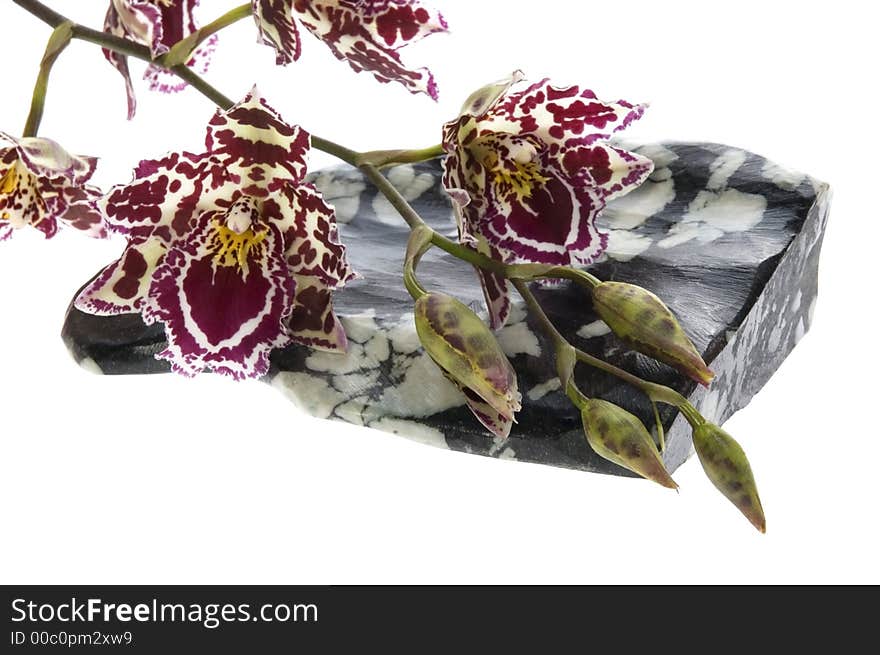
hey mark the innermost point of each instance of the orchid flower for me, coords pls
(158, 24)
(365, 33)
(229, 248)
(41, 184)
(529, 171)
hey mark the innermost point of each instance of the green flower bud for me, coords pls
(726, 466)
(644, 323)
(463, 346)
(620, 437)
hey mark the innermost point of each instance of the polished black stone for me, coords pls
(729, 240)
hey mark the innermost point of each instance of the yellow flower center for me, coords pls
(8, 184)
(519, 172)
(233, 248)
(9, 181)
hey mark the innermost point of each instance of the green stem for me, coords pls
(138, 51)
(364, 161)
(181, 51)
(340, 152)
(655, 392)
(394, 196)
(59, 40)
(538, 311)
(383, 158)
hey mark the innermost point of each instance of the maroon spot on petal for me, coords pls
(309, 313)
(595, 160)
(134, 266)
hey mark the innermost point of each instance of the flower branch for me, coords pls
(238, 255)
(58, 41)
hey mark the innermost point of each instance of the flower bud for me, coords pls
(644, 323)
(463, 346)
(726, 466)
(620, 437)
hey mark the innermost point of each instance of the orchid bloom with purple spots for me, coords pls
(529, 171)
(365, 33)
(158, 24)
(41, 184)
(229, 248)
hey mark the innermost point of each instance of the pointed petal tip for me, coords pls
(663, 478)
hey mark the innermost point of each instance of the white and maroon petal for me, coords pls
(81, 211)
(120, 62)
(164, 81)
(47, 159)
(312, 321)
(178, 22)
(223, 304)
(482, 100)
(367, 34)
(277, 28)
(166, 194)
(556, 223)
(142, 21)
(311, 237)
(558, 114)
(258, 146)
(21, 201)
(123, 285)
(138, 21)
(496, 288)
(396, 23)
(613, 170)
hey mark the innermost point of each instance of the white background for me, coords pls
(166, 480)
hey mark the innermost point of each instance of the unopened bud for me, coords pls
(644, 323)
(463, 346)
(726, 466)
(620, 437)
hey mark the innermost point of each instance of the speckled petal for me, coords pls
(48, 160)
(558, 114)
(157, 24)
(258, 146)
(41, 183)
(166, 194)
(277, 28)
(318, 261)
(496, 288)
(122, 286)
(614, 171)
(161, 80)
(223, 296)
(367, 34)
(312, 321)
(554, 225)
(21, 202)
(311, 235)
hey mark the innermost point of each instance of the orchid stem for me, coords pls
(384, 158)
(189, 43)
(59, 40)
(369, 162)
(138, 51)
(655, 392)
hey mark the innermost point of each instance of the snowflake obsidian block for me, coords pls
(729, 240)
